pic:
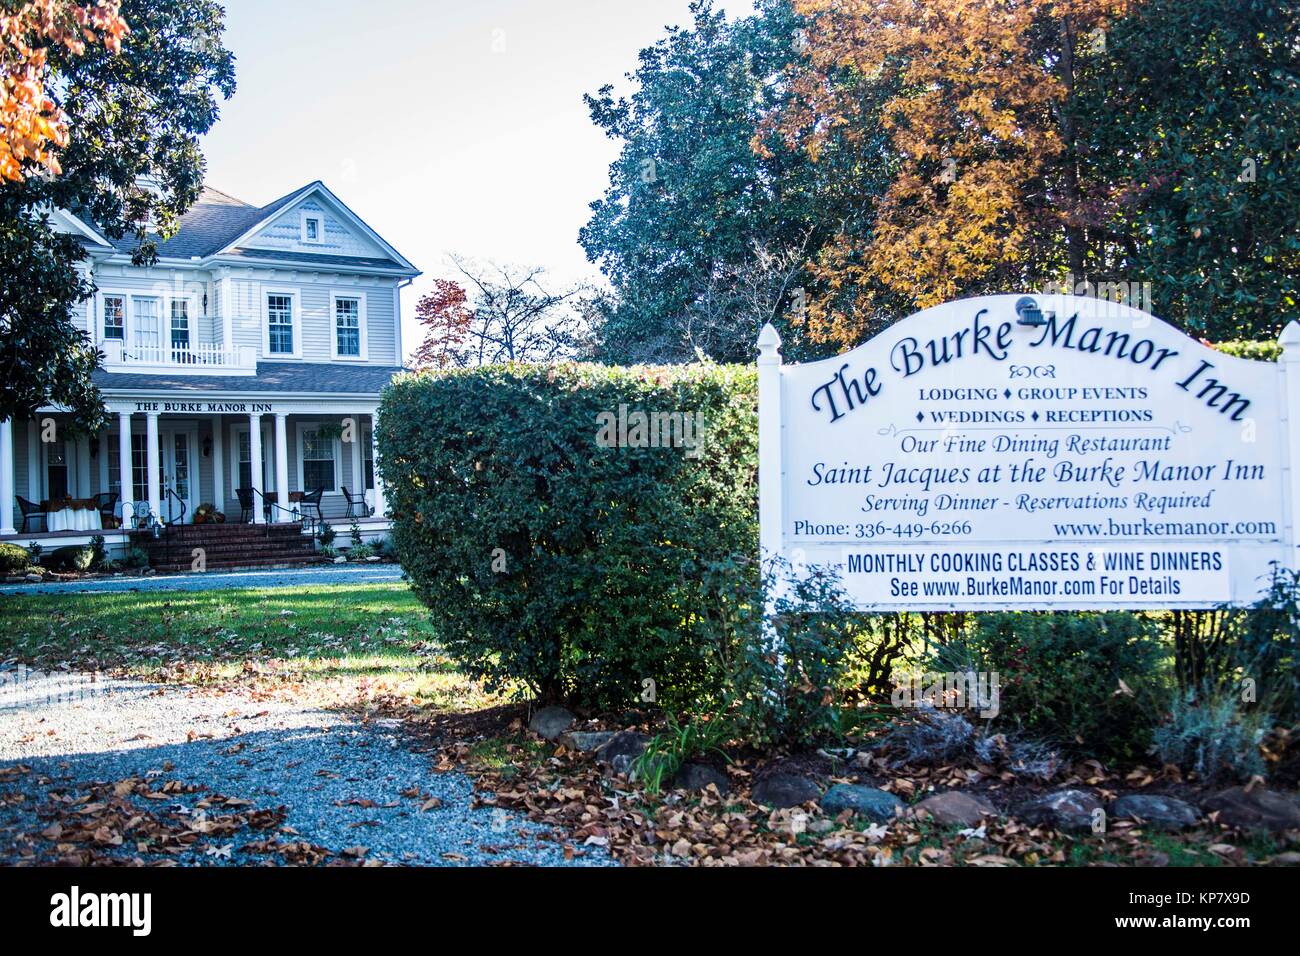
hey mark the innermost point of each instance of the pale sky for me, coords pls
(448, 126)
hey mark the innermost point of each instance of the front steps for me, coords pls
(227, 546)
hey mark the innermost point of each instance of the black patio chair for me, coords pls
(357, 507)
(106, 503)
(245, 496)
(30, 510)
(311, 502)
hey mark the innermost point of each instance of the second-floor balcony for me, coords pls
(199, 358)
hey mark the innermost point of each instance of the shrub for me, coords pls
(1224, 652)
(326, 535)
(98, 552)
(788, 685)
(77, 557)
(13, 558)
(356, 534)
(359, 552)
(1078, 680)
(136, 557)
(552, 559)
(1215, 737)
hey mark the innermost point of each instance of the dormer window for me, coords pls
(313, 229)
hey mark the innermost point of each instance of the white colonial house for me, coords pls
(242, 371)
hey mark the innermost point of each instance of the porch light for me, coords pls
(1029, 312)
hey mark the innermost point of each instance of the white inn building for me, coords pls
(242, 371)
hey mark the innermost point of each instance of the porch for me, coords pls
(178, 463)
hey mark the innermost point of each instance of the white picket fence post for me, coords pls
(769, 443)
(1290, 365)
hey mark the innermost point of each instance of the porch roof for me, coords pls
(271, 377)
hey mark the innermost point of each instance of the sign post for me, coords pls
(1032, 452)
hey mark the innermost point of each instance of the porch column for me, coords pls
(381, 501)
(282, 465)
(34, 460)
(255, 464)
(358, 473)
(152, 463)
(83, 466)
(218, 464)
(7, 477)
(127, 478)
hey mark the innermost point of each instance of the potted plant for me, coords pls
(207, 513)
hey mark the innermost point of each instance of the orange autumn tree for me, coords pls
(446, 319)
(976, 134)
(32, 127)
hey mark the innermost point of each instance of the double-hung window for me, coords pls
(115, 317)
(147, 321)
(180, 327)
(317, 460)
(347, 327)
(279, 323)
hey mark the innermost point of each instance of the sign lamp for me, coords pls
(1029, 312)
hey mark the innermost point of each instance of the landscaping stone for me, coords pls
(33, 578)
(783, 790)
(550, 722)
(1155, 810)
(1066, 810)
(1256, 809)
(874, 804)
(586, 740)
(341, 559)
(621, 750)
(955, 809)
(697, 776)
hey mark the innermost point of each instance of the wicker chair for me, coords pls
(106, 503)
(30, 510)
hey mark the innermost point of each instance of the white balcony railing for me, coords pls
(198, 359)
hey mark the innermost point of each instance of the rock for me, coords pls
(876, 805)
(33, 578)
(782, 790)
(1289, 858)
(550, 722)
(341, 559)
(374, 559)
(955, 809)
(697, 776)
(621, 750)
(586, 740)
(1066, 810)
(1258, 809)
(1154, 810)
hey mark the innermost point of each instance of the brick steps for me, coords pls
(228, 546)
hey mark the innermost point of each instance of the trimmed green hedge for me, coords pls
(1245, 348)
(550, 560)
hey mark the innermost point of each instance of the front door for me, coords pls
(179, 475)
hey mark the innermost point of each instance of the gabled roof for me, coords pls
(218, 223)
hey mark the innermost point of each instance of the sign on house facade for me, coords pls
(1017, 452)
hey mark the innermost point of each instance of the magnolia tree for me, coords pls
(90, 110)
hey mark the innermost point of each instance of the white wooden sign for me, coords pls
(1021, 452)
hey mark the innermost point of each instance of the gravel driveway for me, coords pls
(218, 580)
(343, 784)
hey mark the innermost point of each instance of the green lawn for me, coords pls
(374, 637)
